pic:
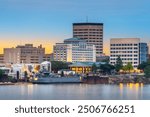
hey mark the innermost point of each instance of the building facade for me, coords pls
(60, 51)
(74, 50)
(149, 50)
(1, 58)
(24, 54)
(143, 51)
(92, 33)
(129, 49)
(48, 57)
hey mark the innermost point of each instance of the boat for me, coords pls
(48, 78)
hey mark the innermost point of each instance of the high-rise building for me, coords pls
(1, 58)
(143, 52)
(24, 54)
(92, 33)
(129, 49)
(149, 50)
(74, 50)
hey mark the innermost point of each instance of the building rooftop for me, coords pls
(124, 40)
(86, 64)
(88, 23)
(74, 39)
(79, 64)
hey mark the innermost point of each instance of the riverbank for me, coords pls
(95, 80)
(17, 83)
(7, 83)
(116, 80)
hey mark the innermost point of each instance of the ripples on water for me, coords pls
(75, 92)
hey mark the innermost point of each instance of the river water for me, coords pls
(75, 92)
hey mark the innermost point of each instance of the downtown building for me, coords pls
(24, 54)
(149, 50)
(74, 50)
(1, 58)
(92, 33)
(129, 49)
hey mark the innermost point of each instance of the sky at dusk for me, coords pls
(49, 21)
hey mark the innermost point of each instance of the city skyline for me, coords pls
(46, 22)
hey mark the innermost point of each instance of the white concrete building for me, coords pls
(129, 49)
(74, 50)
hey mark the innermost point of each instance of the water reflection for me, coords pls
(131, 90)
(127, 91)
(30, 89)
(131, 85)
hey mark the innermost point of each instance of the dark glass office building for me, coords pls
(143, 52)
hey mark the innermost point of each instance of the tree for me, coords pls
(129, 67)
(124, 68)
(1, 74)
(147, 71)
(142, 65)
(94, 68)
(119, 64)
(58, 65)
(107, 68)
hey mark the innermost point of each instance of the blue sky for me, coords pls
(50, 21)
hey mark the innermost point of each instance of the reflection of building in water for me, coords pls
(30, 89)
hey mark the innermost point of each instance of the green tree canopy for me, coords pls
(129, 67)
(124, 68)
(58, 65)
(143, 65)
(147, 71)
(119, 64)
(94, 68)
(1, 72)
(107, 68)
